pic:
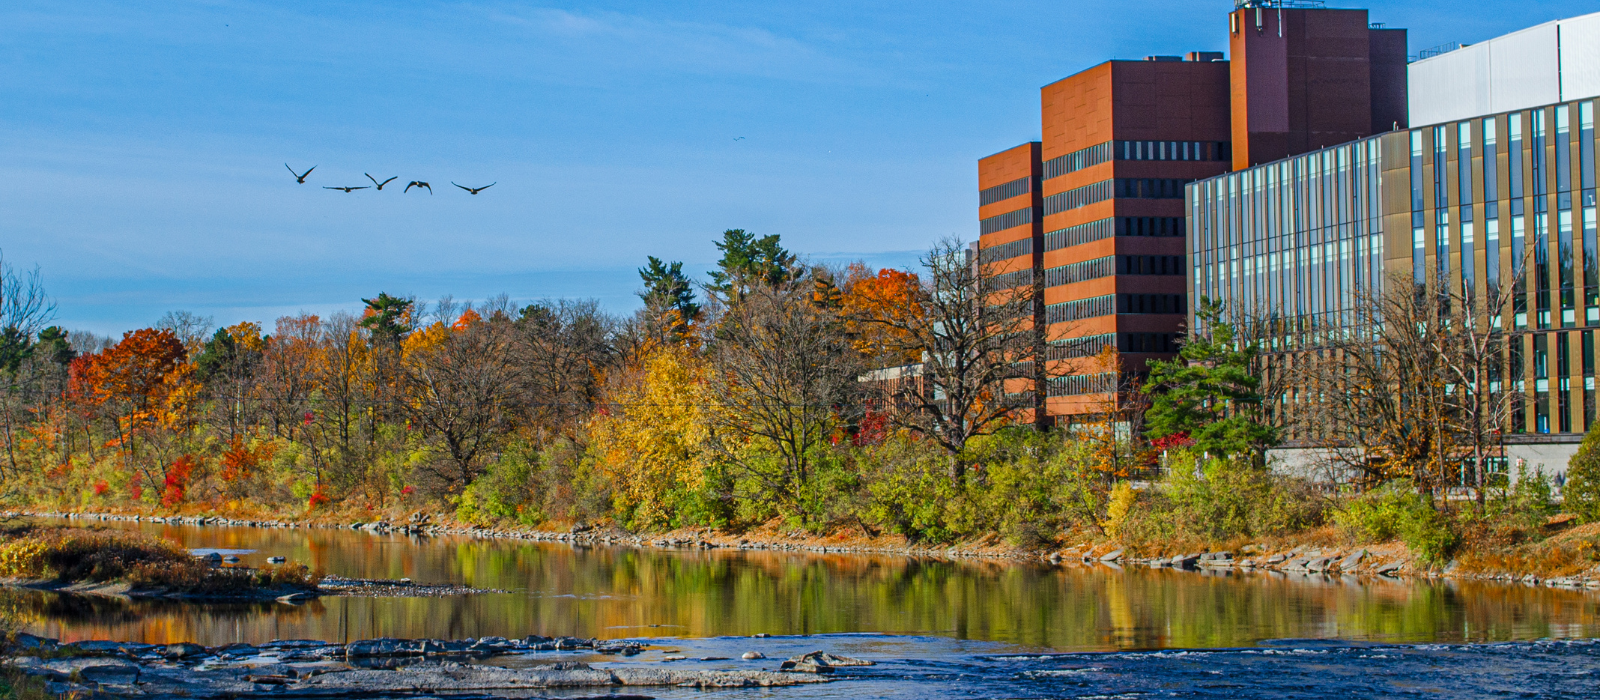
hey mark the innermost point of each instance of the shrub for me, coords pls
(1397, 510)
(1582, 490)
(1220, 499)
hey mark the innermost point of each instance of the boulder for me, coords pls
(183, 650)
(1354, 560)
(752, 655)
(1112, 556)
(385, 646)
(819, 662)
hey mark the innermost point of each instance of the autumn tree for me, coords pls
(974, 328)
(563, 349)
(891, 295)
(785, 377)
(143, 381)
(463, 391)
(653, 439)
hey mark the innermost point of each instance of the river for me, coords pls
(941, 628)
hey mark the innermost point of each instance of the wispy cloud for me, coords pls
(651, 45)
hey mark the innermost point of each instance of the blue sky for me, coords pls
(142, 144)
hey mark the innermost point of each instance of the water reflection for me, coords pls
(620, 592)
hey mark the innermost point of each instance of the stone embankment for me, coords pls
(380, 668)
(1302, 560)
(1328, 562)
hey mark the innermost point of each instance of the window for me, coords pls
(1007, 251)
(1010, 219)
(1173, 150)
(1087, 346)
(1148, 342)
(1080, 309)
(1015, 188)
(1081, 271)
(1137, 188)
(1151, 188)
(1082, 233)
(1165, 226)
(1150, 265)
(1079, 384)
(1008, 280)
(1152, 304)
(1079, 197)
(1077, 160)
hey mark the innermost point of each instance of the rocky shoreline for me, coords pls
(385, 668)
(1360, 562)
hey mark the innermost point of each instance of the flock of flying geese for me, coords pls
(419, 184)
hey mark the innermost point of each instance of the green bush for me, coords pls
(1581, 493)
(1221, 499)
(909, 490)
(1396, 510)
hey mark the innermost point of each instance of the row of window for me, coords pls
(1114, 265)
(1079, 309)
(1080, 384)
(1130, 187)
(1081, 271)
(1078, 160)
(1173, 150)
(1078, 197)
(1010, 279)
(1015, 188)
(1010, 219)
(1091, 345)
(1150, 265)
(1106, 305)
(1136, 150)
(1165, 226)
(1007, 251)
(1151, 187)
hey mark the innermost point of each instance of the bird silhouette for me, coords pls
(347, 190)
(738, 138)
(417, 183)
(379, 184)
(299, 177)
(474, 190)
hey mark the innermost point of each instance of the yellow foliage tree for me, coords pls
(653, 436)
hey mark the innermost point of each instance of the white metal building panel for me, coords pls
(1524, 69)
(1580, 57)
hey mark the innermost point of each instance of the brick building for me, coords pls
(1095, 208)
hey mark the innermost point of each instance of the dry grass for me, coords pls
(1503, 548)
(75, 555)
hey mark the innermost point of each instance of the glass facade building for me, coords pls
(1497, 201)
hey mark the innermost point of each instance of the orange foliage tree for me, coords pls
(889, 294)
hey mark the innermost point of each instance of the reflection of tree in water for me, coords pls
(622, 592)
(104, 612)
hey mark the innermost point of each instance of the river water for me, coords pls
(938, 628)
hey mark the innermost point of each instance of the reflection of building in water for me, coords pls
(1492, 186)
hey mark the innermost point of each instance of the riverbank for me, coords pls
(1563, 560)
(71, 559)
(409, 667)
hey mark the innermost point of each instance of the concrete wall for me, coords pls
(1323, 465)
